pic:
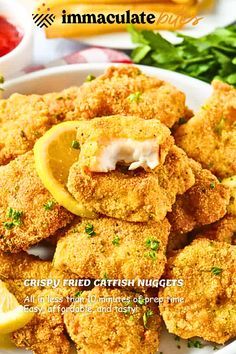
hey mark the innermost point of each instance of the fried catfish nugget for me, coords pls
(204, 203)
(126, 90)
(123, 327)
(120, 249)
(28, 213)
(46, 331)
(210, 136)
(223, 230)
(24, 119)
(208, 270)
(144, 171)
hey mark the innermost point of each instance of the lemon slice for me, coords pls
(12, 314)
(54, 155)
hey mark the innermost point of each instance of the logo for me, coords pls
(42, 19)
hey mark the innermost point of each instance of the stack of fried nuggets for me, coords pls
(143, 214)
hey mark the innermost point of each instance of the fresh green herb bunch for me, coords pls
(206, 58)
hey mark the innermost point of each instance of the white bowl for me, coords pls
(21, 56)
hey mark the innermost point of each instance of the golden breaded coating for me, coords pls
(103, 133)
(121, 250)
(24, 119)
(223, 230)
(208, 270)
(45, 333)
(126, 90)
(231, 184)
(210, 136)
(204, 203)
(137, 195)
(28, 212)
(114, 332)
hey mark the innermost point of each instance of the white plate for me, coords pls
(223, 14)
(56, 79)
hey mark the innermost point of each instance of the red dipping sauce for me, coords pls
(10, 37)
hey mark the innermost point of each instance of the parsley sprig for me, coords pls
(16, 218)
(146, 317)
(89, 229)
(205, 58)
(216, 270)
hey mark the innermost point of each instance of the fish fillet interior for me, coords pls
(132, 152)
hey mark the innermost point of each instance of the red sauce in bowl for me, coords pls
(10, 36)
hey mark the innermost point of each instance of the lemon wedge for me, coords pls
(55, 152)
(12, 314)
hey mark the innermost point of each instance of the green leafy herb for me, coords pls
(75, 145)
(16, 217)
(116, 240)
(105, 276)
(141, 301)
(89, 229)
(8, 225)
(78, 293)
(146, 316)
(215, 348)
(153, 244)
(90, 78)
(49, 205)
(177, 338)
(182, 121)
(205, 58)
(194, 344)
(216, 270)
(220, 126)
(134, 97)
(212, 185)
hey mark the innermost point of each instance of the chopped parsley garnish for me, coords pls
(116, 240)
(177, 338)
(182, 121)
(90, 77)
(8, 225)
(105, 276)
(16, 216)
(146, 316)
(89, 229)
(153, 244)
(134, 97)
(216, 270)
(49, 205)
(75, 145)
(215, 348)
(79, 293)
(141, 301)
(212, 185)
(220, 126)
(194, 344)
(152, 254)
(128, 310)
